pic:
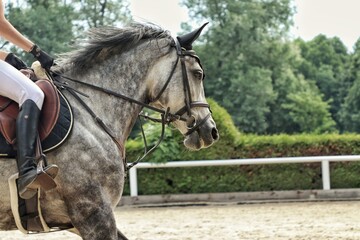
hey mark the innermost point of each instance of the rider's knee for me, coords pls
(36, 95)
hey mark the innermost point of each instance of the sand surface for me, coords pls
(278, 221)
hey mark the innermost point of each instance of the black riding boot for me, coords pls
(30, 178)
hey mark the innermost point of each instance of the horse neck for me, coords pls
(116, 75)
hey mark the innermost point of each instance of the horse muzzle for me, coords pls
(202, 136)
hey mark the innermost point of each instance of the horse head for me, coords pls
(180, 90)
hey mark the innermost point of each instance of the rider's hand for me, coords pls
(46, 61)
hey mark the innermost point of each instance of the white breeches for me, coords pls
(16, 86)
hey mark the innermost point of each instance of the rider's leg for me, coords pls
(14, 85)
(17, 87)
(27, 136)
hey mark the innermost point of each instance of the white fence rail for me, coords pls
(325, 166)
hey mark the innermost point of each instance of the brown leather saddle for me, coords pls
(49, 114)
(56, 120)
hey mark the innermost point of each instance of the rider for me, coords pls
(14, 85)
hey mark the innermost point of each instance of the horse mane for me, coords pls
(103, 42)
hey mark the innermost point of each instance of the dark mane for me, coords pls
(103, 42)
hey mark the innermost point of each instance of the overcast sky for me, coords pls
(330, 17)
(166, 13)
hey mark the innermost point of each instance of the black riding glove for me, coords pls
(14, 61)
(46, 61)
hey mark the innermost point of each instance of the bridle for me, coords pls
(189, 104)
(166, 116)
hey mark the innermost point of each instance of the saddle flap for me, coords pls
(50, 110)
(8, 113)
(49, 113)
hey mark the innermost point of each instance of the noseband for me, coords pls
(166, 116)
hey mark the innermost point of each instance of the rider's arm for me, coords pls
(8, 32)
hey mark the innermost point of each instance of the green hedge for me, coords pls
(235, 145)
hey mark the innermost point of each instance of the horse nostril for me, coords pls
(215, 134)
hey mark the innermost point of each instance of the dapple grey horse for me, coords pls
(140, 61)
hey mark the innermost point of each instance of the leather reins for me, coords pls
(166, 116)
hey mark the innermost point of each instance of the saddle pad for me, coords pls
(57, 136)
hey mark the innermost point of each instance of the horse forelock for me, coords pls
(103, 42)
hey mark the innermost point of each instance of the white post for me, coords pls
(133, 182)
(325, 168)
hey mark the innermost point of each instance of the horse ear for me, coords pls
(187, 39)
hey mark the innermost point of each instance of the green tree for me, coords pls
(326, 62)
(238, 52)
(350, 109)
(252, 67)
(54, 24)
(95, 13)
(299, 106)
(48, 25)
(254, 91)
(309, 112)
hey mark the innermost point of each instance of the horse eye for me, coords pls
(198, 74)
